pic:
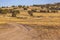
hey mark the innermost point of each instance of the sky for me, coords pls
(25, 2)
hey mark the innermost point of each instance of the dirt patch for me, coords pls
(29, 32)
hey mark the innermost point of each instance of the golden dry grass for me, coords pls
(43, 26)
(43, 19)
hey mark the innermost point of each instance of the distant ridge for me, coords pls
(48, 4)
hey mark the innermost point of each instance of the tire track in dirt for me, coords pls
(24, 32)
(19, 29)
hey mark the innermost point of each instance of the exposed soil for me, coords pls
(15, 31)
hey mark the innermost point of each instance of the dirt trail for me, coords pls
(25, 32)
(19, 32)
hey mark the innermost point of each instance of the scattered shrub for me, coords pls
(14, 13)
(30, 13)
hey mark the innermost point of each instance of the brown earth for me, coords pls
(16, 31)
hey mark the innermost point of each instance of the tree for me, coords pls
(25, 8)
(0, 10)
(19, 6)
(14, 13)
(10, 10)
(34, 10)
(3, 11)
(2, 7)
(30, 13)
(13, 6)
(43, 11)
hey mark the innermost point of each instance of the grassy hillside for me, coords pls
(48, 14)
(37, 22)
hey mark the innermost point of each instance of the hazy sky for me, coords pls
(25, 2)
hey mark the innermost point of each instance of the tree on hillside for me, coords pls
(10, 10)
(14, 13)
(43, 11)
(3, 11)
(0, 10)
(2, 7)
(7, 10)
(19, 6)
(30, 13)
(25, 8)
(34, 10)
(13, 6)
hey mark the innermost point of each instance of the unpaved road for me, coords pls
(15, 31)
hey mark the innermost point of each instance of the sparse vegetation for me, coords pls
(19, 6)
(48, 8)
(4, 11)
(15, 12)
(30, 13)
(39, 22)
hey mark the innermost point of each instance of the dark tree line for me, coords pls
(15, 12)
(12, 11)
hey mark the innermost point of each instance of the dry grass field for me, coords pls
(47, 27)
(40, 26)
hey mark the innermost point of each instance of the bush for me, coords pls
(13, 6)
(30, 13)
(25, 8)
(33, 10)
(5, 11)
(14, 13)
(43, 11)
(19, 6)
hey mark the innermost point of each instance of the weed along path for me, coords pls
(16, 31)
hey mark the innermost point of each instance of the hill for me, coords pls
(37, 22)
